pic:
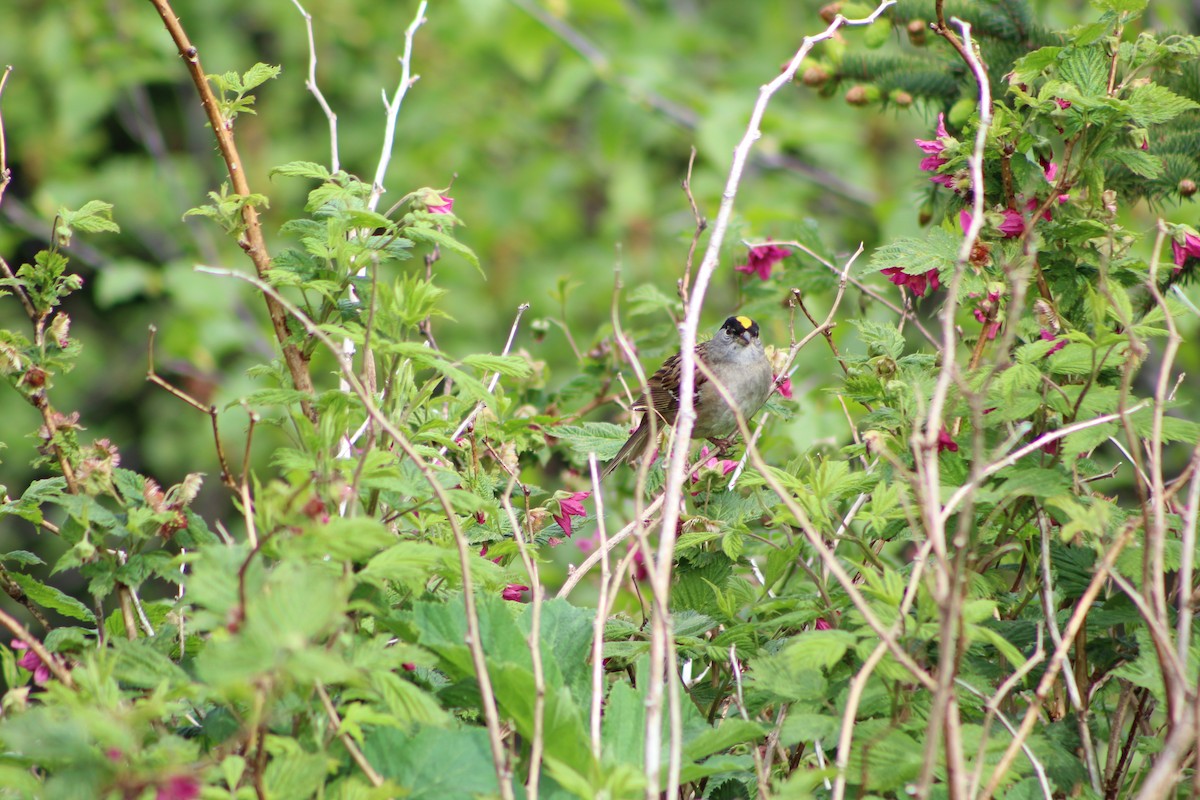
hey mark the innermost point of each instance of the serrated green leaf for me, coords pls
(1137, 161)
(938, 250)
(21, 557)
(302, 169)
(1152, 104)
(139, 665)
(510, 366)
(51, 598)
(419, 233)
(602, 438)
(257, 75)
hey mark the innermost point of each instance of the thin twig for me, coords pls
(347, 740)
(5, 175)
(538, 743)
(310, 83)
(407, 79)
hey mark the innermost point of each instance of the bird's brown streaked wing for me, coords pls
(665, 402)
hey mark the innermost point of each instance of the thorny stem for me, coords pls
(252, 241)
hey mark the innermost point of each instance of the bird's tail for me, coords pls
(631, 450)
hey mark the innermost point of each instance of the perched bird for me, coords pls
(736, 359)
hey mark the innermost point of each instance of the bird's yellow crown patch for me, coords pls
(745, 322)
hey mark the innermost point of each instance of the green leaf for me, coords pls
(93, 217)
(733, 544)
(22, 557)
(343, 539)
(51, 598)
(602, 438)
(509, 366)
(302, 169)
(139, 665)
(296, 774)
(434, 764)
(623, 731)
(1032, 65)
(257, 75)
(419, 233)
(1137, 161)
(818, 649)
(1152, 104)
(731, 732)
(939, 250)
(408, 702)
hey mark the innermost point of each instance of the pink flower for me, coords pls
(1063, 104)
(822, 624)
(1050, 336)
(990, 329)
(484, 551)
(916, 283)
(570, 507)
(945, 442)
(178, 787)
(762, 259)
(640, 573)
(725, 465)
(444, 207)
(1013, 224)
(1146, 143)
(932, 148)
(589, 544)
(1050, 170)
(513, 591)
(1180, 253)
(784, 387)
(32, 662)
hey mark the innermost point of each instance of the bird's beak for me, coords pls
(746, 337)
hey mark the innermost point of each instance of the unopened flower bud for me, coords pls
(814, 76)
(1187, 187)
(829, 13)
(916, 32)
(862, 95)
(902, 98)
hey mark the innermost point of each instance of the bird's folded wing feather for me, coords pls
(663, 389)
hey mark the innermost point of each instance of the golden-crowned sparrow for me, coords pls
(735, 358)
